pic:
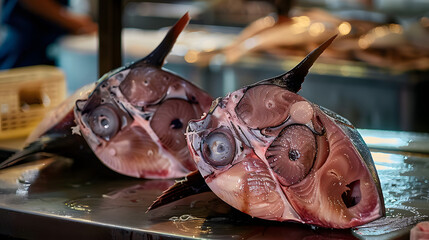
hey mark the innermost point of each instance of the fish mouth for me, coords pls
(80, 105)
(84, 129)
(352, 196)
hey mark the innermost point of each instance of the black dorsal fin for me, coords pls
(193, 184)
(157, 56)
(293, 79)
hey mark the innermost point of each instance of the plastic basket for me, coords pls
(26, 94)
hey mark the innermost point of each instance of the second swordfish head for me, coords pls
(135, 119)
(272, 154)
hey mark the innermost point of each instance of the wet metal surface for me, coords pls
(50, 198)
(396, 140)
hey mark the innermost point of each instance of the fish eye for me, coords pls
(292, 154)
(104, 121)
(218, 148)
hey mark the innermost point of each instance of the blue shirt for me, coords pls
(27, 36)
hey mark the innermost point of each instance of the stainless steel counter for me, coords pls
(49, 199)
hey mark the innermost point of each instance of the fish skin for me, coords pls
(247, 164)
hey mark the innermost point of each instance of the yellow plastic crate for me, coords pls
(26, 94)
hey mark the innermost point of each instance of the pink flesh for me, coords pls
(296, 142)
(320, 193)
(146, 85)
(153, 147)
(301, 112)
(423, 226)
(169, 123)
(260, 106)
(149, 84)
(336, 189)
(133, 153)
(248, 187)
(134, 120)
(420, 231)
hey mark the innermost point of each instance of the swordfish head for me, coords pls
(272, 154)
(135, 119)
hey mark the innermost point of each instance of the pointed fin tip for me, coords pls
(158, 55)
(319, 50)
(297, 75)
(23, 156)
(293, 79)
(193, 184)
(180, 25)
(309, 60)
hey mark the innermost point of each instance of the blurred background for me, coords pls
(376, 73)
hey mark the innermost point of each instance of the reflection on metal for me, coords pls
(397, 141)
(72, 204)
(387, 161)
(404, 179)
(66, 200)
(377, 141)
(387, 158)
(191, 224)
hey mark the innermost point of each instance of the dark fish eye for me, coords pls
(218, 148)
(292, 154)
(104, 121)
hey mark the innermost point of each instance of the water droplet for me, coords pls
(112, 152)
(149, 153)
(75, 205)
(184, 218)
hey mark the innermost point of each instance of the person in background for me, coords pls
(32, 26)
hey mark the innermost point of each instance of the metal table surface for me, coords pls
(49, 199)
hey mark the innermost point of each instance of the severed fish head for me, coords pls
(272, 154)
(135, 119)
